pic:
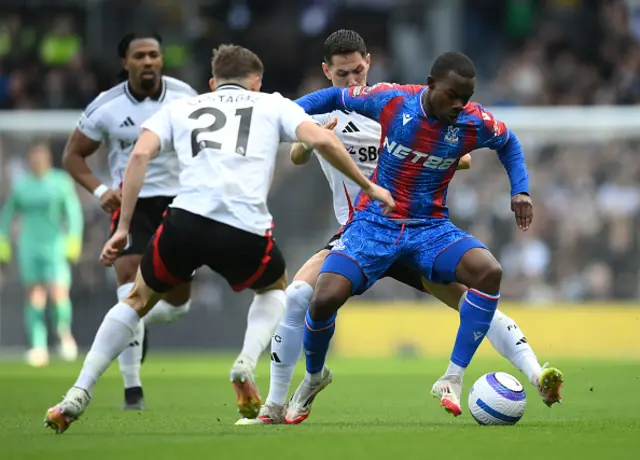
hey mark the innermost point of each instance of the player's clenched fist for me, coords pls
(113, 247)
(110, 200)
(375, 192)
(522, 206)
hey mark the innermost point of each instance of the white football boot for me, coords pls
(299, 406)
(63, 414)
(247, 395)
(448, 389)
(270, 414)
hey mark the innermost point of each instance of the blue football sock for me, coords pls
(476, 313)
(317, 336)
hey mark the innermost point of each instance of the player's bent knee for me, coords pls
(311, 269)
(478, 269)
(59, 293)
(126, 268)
(491, 277)
(37, 296)
(299, 294)
(178, 295)
(141, 297)
(331, 293)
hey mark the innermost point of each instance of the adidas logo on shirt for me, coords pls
(351, 128)
(127, 122)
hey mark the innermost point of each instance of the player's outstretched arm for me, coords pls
(321, 101)
(74, 160)
(329, 146)
(147, 147)
(368, 101)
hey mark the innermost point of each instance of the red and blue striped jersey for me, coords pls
(418, 154)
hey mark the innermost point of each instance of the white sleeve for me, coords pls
(192, 92)
(160, 124)
(90, 122)
(291, 116)
(322, 119)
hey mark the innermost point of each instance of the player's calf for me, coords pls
(332, 291)
(478, 269)
(286, 343)
(174, 305)
(130, 360)
(263, 318)
(113, 336)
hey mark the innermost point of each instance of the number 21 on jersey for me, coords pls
(240, 136)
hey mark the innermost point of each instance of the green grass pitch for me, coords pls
(373, 409)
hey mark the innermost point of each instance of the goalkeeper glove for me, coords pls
(73, 248)
(5, 250)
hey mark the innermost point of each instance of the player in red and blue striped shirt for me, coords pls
(425, 131)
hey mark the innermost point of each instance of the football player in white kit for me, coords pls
(114, 118)
(346, 63)
(226, 142)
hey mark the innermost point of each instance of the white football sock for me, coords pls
(455, 370)
(286, 344)
(164, 312)
(130, 359)
(508, 340)
(113, 336)
(264, 315)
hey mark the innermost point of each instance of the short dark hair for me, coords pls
(232, 62)
(453, 61)
(343, 41)
(123, 46)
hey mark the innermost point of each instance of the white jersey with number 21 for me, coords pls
(226, 142)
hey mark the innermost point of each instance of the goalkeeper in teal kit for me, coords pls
(45, 205)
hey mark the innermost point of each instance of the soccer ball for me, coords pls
(497, 399)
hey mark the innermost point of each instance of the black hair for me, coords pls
(123, 47)
(343, 41)
(453, 61)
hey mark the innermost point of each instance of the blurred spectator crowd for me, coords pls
(575, 53)
(531, 52)
(583, 244)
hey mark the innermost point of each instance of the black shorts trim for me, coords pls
(147, 217)
(331, 242)
(186, 241)
(405, 275)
